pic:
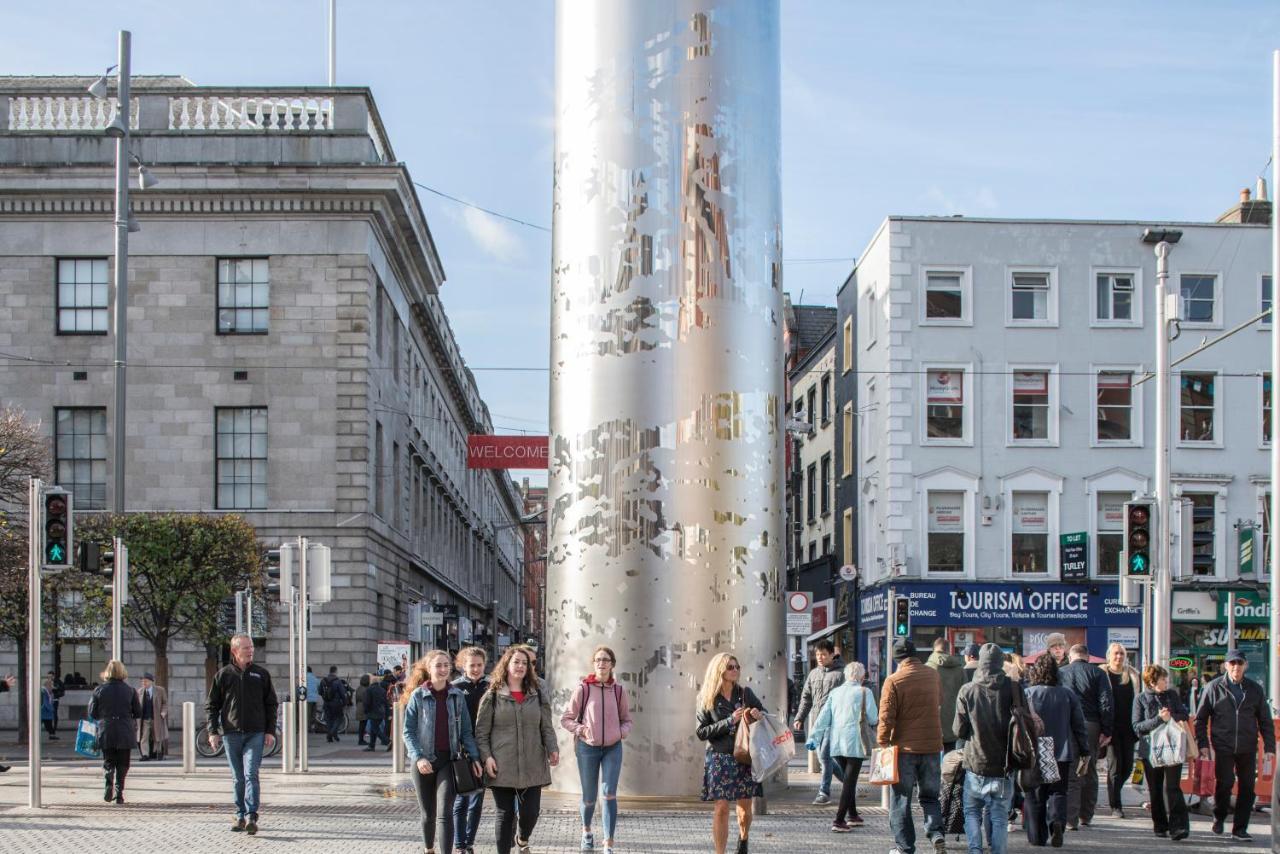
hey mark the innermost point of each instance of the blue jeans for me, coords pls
(829, 766)
(466, 818)
(594, 763)
(924, 770)
(986, 804)
(244, 755)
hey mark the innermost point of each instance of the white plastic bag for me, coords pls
(1168, 744)
(772, 746)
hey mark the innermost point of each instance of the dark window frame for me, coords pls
(217, 459)
(57, 297)
(217, 296)
(80, 502)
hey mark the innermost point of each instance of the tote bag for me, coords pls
(1047, 760)
(866, 731)
(1168, 745)
(87, 740)
(884, 766)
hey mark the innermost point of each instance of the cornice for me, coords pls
(196, 203)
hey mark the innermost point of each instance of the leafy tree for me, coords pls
(182, 568)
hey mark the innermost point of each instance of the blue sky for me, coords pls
(1014, 109)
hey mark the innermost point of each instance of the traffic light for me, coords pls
(89, 560)
(902, 617)
(57, 553)
(281, 574)
(1139, 536)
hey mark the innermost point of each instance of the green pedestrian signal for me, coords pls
(1138, 565)
(57, 528)
(1139, 535)
(56, 554)
(901, 617)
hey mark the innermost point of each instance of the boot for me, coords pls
(120, 786)
(119, 795)
(108, 778)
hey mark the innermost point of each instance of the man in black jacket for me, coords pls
(983, 711)
(1237, 708)
(6, 684)
(1092, 686)
(242, 710)
(334, 693)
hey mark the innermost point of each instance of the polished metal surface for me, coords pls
(666, 480)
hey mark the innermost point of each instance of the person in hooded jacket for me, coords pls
(1059, 709)
(824, 678)
(467, 808)
(115, 707)
(847, 721)
(1154, 707)
(952, 674)
(983, 711)
(599, 718)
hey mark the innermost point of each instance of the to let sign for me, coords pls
(507, 452)
(1075, 556)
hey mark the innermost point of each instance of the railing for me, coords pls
(202, 109)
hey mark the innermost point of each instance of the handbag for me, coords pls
(867, 733)
(1168, 745)
(884, 766)
(464, 776)
(742, 738)
(1047, 760)
(1203, 777)
(87, 740)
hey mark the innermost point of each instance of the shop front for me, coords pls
(1199, 638)
(1016, 616)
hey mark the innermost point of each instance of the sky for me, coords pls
(1085, 109)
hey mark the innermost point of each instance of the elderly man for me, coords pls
(242, 710)
(153, 726)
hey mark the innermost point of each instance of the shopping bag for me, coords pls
(1168, 745)
(87, 740)
(1047, 760)
(884, 766)
(742, 742)
(1203, 777)
(772, 746)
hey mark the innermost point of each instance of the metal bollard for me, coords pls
(397, 739)
(288, 734)
(188, 738)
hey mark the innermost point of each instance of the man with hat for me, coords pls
(909, 721)
(153, 726)
(1235, 710)
(1056, 645)
(971, 661)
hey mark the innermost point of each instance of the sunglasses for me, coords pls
(732, 667)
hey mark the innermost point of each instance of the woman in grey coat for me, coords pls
(517, 745)
(115, 707)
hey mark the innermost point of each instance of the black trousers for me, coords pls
(115, 765)
(1044, 805)
(1229, 767)
(504, 799)
(435, 804)
(848, 787)
(1119, 770)
(1168, 806)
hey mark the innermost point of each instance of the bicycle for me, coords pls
(320, 720)
(204, 746)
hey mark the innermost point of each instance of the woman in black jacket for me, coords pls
(1154, 707)
(115, 707)
(722, 704)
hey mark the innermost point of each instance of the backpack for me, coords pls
(1025, 727)
(324, 690)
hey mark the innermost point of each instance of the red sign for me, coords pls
(507, 452)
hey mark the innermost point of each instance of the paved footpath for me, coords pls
(346, 804)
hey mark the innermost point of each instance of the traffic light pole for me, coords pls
(304, 708)
(121, 270)
(35, 524)
(119, 586)
(888, 668)
(1161, 589)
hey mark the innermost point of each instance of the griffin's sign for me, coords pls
(507, 452)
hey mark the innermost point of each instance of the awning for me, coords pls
(829, 630)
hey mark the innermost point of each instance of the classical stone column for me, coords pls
(666, 480)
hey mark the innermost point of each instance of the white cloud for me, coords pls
(981, 202)
(491, 234)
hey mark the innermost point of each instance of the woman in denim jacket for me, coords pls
(437, 729)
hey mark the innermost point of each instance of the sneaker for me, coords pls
(1055, 834)
(840, 827)
(238, 826)
(252, 827)
(822, 798)
(523, 845)
(1180, 835)
(940, 845)
(588, 842)
(856, 821)
(1218, 826)
(1117, 813)
(1163, 834)
(1073, 826)
(1242, 835)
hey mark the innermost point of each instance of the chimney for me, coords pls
(1250, 211)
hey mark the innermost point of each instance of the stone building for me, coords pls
(289, 357)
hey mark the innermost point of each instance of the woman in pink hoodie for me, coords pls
(599, 719)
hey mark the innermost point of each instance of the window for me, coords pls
(1110, 531)
(945, 543)
(1115, 298)
(1266, 410)
(1031, 406)
(395, 346)
(846, 532)
(1031, 298)
(848, 344)
(80, 450)
(1204, 532)
(1115, 421)
(813, 551)
(241, 458)
(870, 322)
(944, 404)
(812, 493)
(813, 406)
(826, 544)
(379, 449)
(1265, 526)
(1199, 302)
(1030, 544)
(946, 296)
(1264, 299)
(846, 443)
(243, 296)
(82, 296)
(826, 399)
(871, 421)
(1196, 403)
(394, 480)
(379, 323)
(825, 500)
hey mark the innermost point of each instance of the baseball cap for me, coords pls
(972, 650)
(903, 648)
(1235, 655)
